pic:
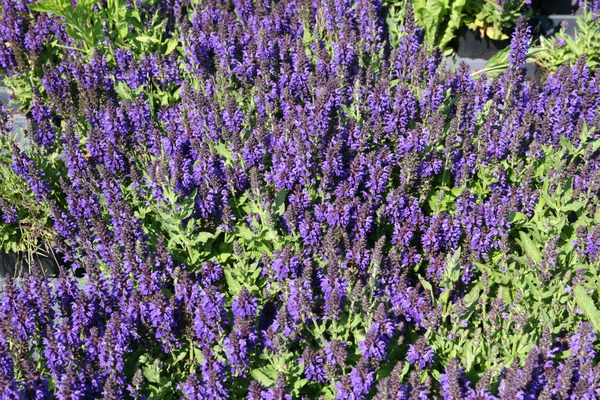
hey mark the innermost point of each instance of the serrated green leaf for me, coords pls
(47, 6)
(356, 321)
(349, 112)
(453, 271)
(549, 200)
(222, 258)
(180, 356)
(198, 356)
(269, 235)
(566, 143)
(299, 384)
(454, 21)
(256, 273)
(224, 151)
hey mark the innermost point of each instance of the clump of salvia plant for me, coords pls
(283, 205)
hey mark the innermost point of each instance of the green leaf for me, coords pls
(356, 321)
(74, 34)
(453, 271)
(203, 237)
(198, 356)
(574, 206)
(516, 216)
(260, 374)
(224, 151)
(147, 39)
(454, 22)
(181, 356)
(473, 295)
(430, 15)
(348, 111)
(123, 91)
(468, 355)
(426, 285)
(269, 235)
(47, 6)
(123, 30)
(530, 248)
(497, 62)
(585, 302)
(171, 45)
(232, 283)
(280, 202)
(567, 144)
(223, 257)
(151, 374)
(549, 200)
(299, 384)
(246, 233)
(256, 273)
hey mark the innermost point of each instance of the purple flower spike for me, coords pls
(244, 306)
(519, 44)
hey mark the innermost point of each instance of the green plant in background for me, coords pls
(563, 49)
(439, 18)
(442, 19)
(492, 18)
(558, 50)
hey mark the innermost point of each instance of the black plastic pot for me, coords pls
(548, 25)
(3, 96)
(472, 45)
(17, 264)
(555, 6)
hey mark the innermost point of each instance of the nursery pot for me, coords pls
(16, 264)
(555, 6)
(472, 45)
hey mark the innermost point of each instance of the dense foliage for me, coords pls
(291, 199)
(443, 20)
(562, 48)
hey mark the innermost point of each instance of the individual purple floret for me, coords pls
(313, 365)
(420, 354)
(378, 337)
